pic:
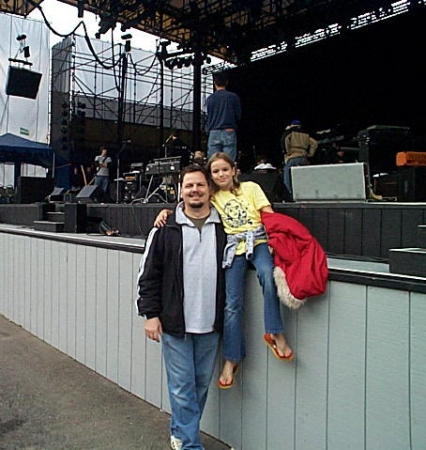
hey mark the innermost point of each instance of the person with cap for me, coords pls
(297, 147)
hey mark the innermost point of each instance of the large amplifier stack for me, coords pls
(394, 168)
(379, 144)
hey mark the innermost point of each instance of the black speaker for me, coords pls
(271, 183)
(412, 184)
(57, 195)
(90, 194)
(22, 82)
(379, 144)
(33, 189)
(71, 194)
(75, 218)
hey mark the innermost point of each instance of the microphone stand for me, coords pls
(165, 147)
(117, 193)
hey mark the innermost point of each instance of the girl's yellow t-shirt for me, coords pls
(240, 212)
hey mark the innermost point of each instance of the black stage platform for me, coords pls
(365, 230)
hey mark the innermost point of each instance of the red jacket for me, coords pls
(300, 262)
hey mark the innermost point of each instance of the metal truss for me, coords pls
(231, 29)
(72, 69)
(18, 7)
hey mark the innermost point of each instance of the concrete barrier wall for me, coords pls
(358, 381)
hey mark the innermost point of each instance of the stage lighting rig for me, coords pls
(108, 21)
(415, 5)
(127, 44)
(185, 56)
(80, 8)
(23, 48)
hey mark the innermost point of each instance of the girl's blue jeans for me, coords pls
(233, 336)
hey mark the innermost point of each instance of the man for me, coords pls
(223, 113)
(102, 174)
(297, 146)
(182, 295)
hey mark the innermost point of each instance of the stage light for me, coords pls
(21, 37)
(80, 8)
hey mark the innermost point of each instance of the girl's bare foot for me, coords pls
(283, 349)
(226, 379)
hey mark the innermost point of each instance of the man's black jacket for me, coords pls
(160, 281)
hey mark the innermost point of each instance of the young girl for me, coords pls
(240, 206)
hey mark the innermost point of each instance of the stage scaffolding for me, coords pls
(86, 88)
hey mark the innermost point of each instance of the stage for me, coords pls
(361, 230)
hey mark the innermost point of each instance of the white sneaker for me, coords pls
(175, 443)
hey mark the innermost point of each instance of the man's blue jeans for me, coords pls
(233, 336)
(102, 181)
(299, 161)
(189, 364)
(222, 141)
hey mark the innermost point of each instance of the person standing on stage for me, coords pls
(102, 174)
(182, 295)
(297, 147)
(223, 114)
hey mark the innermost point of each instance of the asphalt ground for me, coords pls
(50, 401)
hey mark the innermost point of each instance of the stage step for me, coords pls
(45, 225)
(56, 216)
(421, 236)
(408, 261)
(59, 207)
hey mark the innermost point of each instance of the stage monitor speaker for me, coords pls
(329, 182)
(271, 183)
(57, 194)
(22, 82)
(33, 189)
(75, 218)
(90, 194)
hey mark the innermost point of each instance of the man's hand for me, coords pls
(162, 217)
(153, 329)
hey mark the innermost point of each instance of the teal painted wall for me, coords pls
(358, 381)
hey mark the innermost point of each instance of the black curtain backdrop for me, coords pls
(375, 75)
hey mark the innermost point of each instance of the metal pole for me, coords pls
(196, 113)
(120, 122)
(121, 98)
(162, 105)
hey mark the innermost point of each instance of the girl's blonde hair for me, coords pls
(224, 157)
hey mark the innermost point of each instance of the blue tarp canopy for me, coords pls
(17, 149)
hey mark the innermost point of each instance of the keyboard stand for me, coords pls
(158, 190)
